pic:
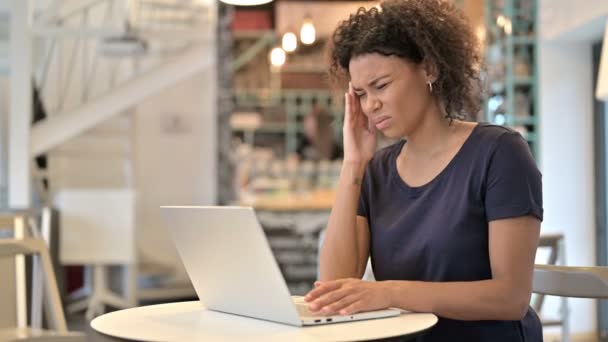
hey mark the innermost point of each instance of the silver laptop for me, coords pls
(233, 270)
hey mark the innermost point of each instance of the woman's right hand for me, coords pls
(360, 135)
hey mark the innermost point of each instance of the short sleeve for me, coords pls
(363, 208)
(514, 183)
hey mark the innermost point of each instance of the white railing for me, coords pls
(91, 46)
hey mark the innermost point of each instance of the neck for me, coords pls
(431, 136)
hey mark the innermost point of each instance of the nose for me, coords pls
(371, 105)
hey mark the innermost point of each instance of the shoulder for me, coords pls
(506, 151)
(491, 132)
(500, 139)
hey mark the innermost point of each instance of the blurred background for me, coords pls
(112, 108)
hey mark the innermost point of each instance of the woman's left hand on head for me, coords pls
(347, 296)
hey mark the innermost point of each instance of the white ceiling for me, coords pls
(572, 20)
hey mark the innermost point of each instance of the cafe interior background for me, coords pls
(112, 108)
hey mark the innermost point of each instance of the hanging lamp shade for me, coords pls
(289, 43)
(308, 32)
(246, 2)
(277, 57)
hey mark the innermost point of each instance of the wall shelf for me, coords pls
(289, 107)
(512, 72)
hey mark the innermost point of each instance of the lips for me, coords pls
(382, 122)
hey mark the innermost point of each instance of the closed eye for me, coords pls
(382, 86)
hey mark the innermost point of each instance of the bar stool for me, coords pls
(43, 275)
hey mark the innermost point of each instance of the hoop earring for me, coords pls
(430, 84)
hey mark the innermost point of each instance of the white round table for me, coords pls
(189, 321)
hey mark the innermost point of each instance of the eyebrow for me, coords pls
(372, 83)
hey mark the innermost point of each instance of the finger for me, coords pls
(351, 91)
(349, 118)
(322, 287)
(346, 106)
(328, 299)
(355, 307)
(340, 305)
(336, 281)
(354, 105)
(321, 290)
(309, 297)
(370, 126)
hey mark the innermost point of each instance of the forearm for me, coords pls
(341, 252)
(476, 300)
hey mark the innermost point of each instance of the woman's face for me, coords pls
(393, 92)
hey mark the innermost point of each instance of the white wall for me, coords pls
(566, 159)
(568, 29)
(175, 163)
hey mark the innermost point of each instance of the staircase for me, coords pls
(95, 60)
(107, 56)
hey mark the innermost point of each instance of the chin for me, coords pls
(391, 134)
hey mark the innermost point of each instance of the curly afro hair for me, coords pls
(434, 32)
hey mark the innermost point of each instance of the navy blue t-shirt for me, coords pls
(438, 232)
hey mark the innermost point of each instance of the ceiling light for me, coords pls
(308, 34)
(289, 42)
(277, 57)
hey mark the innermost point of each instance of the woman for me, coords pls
(318, 140)
(450, 215)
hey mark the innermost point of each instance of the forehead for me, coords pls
(367, 67)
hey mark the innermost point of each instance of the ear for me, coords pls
(430, 69)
